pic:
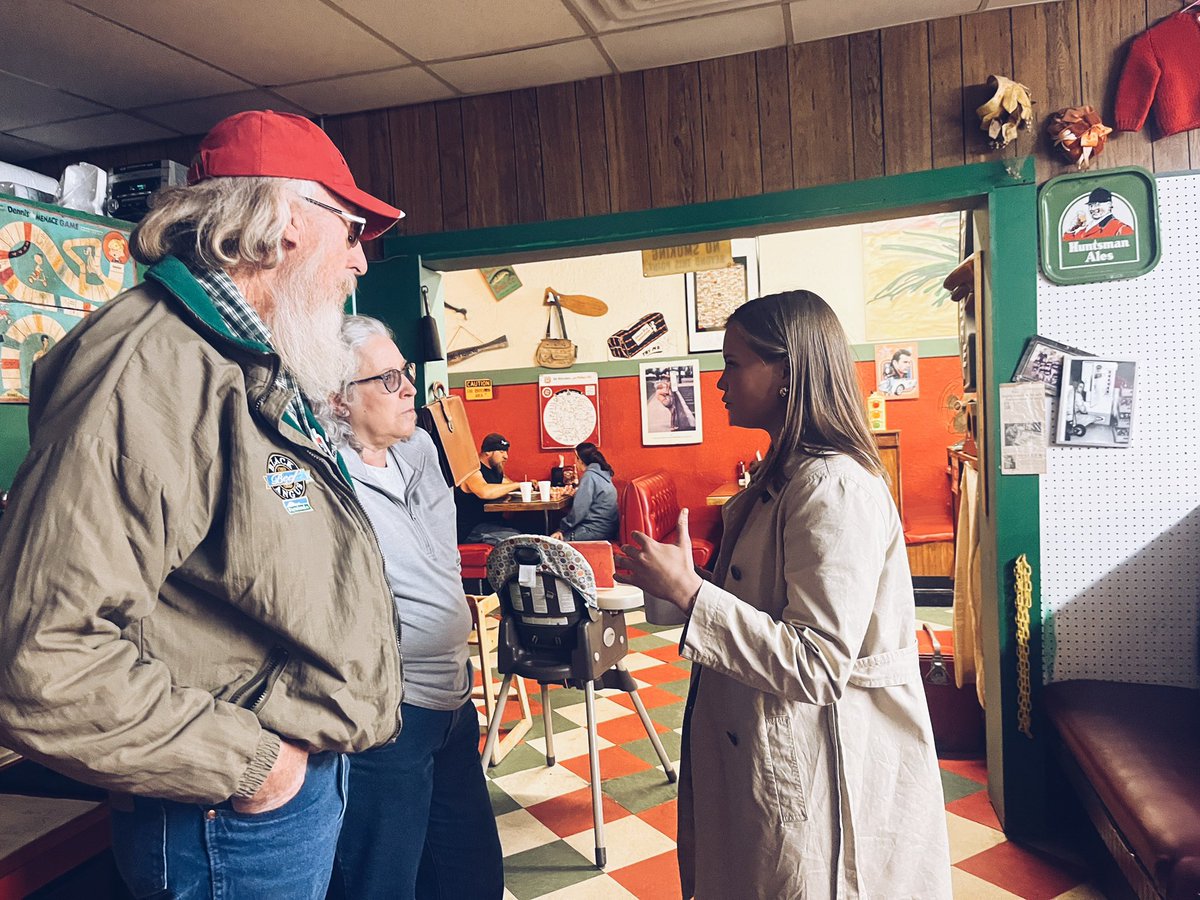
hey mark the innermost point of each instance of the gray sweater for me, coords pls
(593, 515)
(417, 534)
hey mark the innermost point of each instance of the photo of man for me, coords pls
(1099, 220)
(666, 408)
(896, 370)
(670, 403)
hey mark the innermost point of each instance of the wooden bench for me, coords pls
(929, 541)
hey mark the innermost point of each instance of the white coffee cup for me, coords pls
(526, 491)
(544, 490)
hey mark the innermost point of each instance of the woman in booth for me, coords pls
(593, 515)
(808, 764)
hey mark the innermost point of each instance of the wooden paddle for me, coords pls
(576, 303)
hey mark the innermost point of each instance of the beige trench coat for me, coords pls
(808, 764)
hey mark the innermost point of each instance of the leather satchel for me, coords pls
(955, 713)
(445, 418)
(552, 352)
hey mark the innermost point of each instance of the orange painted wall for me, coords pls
(513, 411)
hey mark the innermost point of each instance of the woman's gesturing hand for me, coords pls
(663, 570)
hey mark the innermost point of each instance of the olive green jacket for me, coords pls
(186, 576)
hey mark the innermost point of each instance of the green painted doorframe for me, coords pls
(1006, 190)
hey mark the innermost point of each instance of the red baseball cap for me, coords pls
(282, 145)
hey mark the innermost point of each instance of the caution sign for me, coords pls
(478, 388)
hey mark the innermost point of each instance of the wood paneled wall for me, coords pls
(877, 103)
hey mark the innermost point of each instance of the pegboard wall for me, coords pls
(1120, 528)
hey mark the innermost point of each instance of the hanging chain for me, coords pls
(1023, 575)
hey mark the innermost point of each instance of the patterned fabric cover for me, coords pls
(559, 559)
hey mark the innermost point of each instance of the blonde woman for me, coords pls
(808, 765)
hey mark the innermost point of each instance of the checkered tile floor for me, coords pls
(545, 814)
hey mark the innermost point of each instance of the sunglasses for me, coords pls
(355, 223)
(391, 378)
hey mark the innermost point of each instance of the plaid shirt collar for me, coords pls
(243, 320)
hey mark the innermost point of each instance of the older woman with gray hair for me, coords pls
(418, 820)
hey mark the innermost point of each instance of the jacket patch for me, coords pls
(289, 482)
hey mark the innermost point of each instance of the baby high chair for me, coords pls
(553, 631)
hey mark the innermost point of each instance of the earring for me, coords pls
(783, 392)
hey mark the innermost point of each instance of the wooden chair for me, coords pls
(485, 629)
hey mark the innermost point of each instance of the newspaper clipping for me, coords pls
(1023, 429)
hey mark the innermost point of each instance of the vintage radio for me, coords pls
(130, 187)
(638, 336)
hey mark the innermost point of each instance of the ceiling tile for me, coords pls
(605, 15)
(264, 42)
(94, 131)
(374, 90)
(438, 29)
(64, 47)
(15, 149)
(815, 19)
(197, 116)
(703, 38)
(27, 103)
(572, 61)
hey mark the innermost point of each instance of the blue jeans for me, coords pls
(419, 822)
(489, 533)
(184, 851)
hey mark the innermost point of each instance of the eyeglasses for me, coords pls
(356, 223)
(391, 378)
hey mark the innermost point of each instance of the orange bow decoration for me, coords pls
(1078, 134)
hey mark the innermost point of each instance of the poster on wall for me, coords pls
(712, 296)
(896, 371)
(905, 262)
(569, 409)
(56, 266)
(1098, 227)
(670, 400)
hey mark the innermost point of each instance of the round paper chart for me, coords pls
(569, 417)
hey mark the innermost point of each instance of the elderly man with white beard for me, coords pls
(195, 614)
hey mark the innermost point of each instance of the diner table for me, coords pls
(514, 504)
(722, 494)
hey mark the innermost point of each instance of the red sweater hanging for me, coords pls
(1161, 70)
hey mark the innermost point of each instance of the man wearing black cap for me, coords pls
(195, 614)
(1103, 224)
(490, 483)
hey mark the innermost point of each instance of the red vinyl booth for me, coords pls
(474, 566)
(650, 505)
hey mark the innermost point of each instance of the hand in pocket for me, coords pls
(282, 784)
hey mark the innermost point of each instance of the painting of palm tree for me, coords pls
(904, 264)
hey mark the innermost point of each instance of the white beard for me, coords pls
(306, 327)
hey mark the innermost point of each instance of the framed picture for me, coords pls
(1043, 361)
(671, 402)
(896, 372)
(1095, 402)
(712, 295)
